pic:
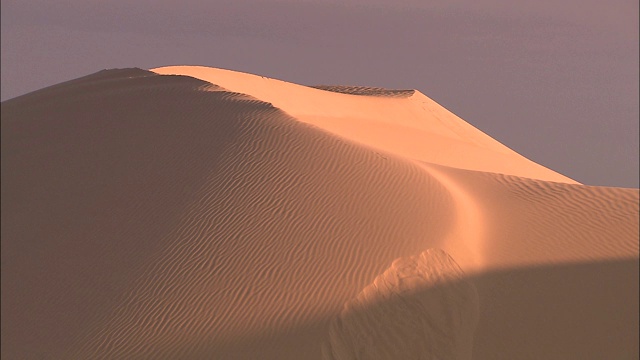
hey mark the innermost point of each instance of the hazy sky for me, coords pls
(557, 81)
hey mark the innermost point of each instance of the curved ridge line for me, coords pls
(468, 231)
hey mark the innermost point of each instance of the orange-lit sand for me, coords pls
(208, 214)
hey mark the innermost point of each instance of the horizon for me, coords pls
(556, 82)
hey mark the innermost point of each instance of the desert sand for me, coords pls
(198, 213)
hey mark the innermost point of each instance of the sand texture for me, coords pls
(199, 213)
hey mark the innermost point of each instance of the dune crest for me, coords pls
(413, 127)
(366, 91)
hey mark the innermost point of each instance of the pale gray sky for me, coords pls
(557, 81)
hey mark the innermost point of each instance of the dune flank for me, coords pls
(199, 213)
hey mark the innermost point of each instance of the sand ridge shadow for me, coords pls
(81, 161)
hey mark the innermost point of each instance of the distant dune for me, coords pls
(198, 213)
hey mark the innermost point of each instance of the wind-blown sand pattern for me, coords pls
(200, 213)
(365, 90)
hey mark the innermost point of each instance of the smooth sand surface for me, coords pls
(200, 213)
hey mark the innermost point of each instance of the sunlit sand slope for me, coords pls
(533, 222)
(412, 126)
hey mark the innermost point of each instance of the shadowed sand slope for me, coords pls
(388, 321)
(215, 214)
(569, 311)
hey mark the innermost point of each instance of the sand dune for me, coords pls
(191, 212)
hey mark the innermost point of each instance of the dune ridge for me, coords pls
(191, 212)
(400, 126)
(366, 91)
